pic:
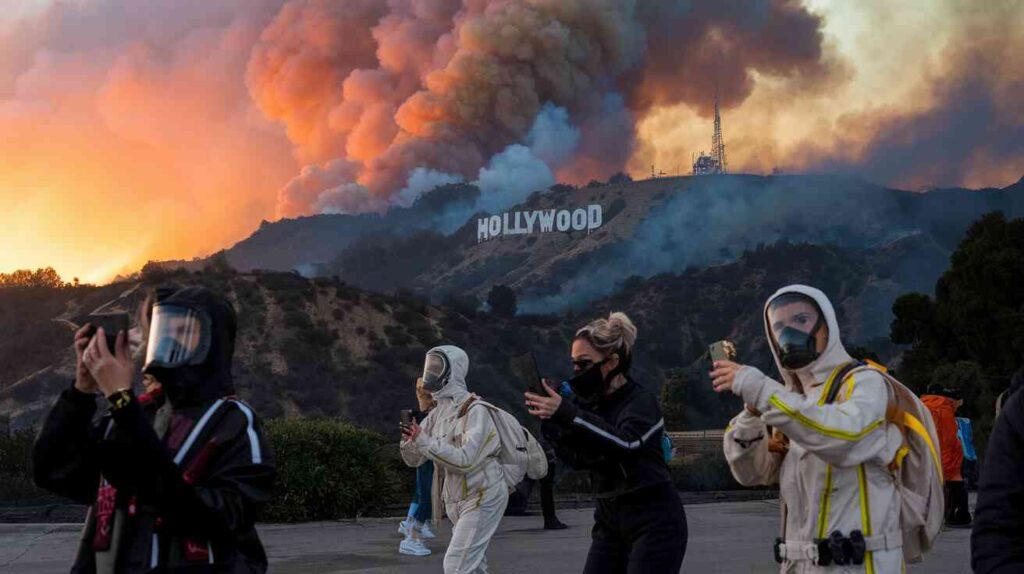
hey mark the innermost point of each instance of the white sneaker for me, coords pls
(403, 527)
(413, 547)
(425, 531)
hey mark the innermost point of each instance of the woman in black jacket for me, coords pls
(613, 427)
(172, 488)
(997, 542)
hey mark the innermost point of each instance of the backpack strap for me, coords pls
(466, 404)
(837, 379)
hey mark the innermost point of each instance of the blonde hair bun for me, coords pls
(616, 334)
(623, 329)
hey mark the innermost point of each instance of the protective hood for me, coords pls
(458, 361)
(195, 385)
(833, 356)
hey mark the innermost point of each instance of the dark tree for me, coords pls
(971, 335)
(218, 264)
(502, 301)
(44, 278)
(619, 178)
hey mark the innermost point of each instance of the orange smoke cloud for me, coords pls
(122, 144)
(451, 84)
(170, 131)
(915, 95)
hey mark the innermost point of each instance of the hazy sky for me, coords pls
(143, 129)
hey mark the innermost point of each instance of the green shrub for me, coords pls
(15, 473)
(702, 473)
(328, 469)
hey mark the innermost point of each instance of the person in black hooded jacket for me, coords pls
(174, 487)
(613, 427)
(997, 539)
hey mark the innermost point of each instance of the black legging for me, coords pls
(641, 532)
(547, 491)
(957, 509)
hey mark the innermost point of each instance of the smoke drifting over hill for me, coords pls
(449, 85)
(181, 125)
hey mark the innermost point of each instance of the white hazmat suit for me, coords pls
(469, 479)
(836, 475)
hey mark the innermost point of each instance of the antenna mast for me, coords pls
(717, 141)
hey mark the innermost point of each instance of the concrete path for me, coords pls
(732, 537)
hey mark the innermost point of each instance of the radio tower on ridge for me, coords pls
(717, 142)
(708, 164)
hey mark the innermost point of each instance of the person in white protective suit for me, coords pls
(463, 443)
(833, 460)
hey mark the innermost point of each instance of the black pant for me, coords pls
(957, 509)
(970, 471)
(547, 492)
(640, 532)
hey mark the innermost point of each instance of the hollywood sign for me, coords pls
(586, 219)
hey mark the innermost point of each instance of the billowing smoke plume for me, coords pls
(449, 86)
(171, 129)
(967, 127)
(129, 134)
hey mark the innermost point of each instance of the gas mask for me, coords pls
(178, 344)
(797, 349)
(437, 371)
(178, 337)
(191, 345)
(790, 317)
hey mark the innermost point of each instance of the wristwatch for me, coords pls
(119, 399)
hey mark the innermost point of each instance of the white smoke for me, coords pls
(552, 138)
(422, 180)
(519, 170)
(510, 177)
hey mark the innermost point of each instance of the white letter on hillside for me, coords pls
(481, 229)
(579, 220)
(595, 217)
(531, 218)
(547, 219)
(564, 220)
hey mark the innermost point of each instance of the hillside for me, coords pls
(650, 227)
(321, 346)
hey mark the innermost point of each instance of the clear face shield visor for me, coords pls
(178, 337)
(435, 372)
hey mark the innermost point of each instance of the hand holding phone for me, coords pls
(722, 351)
(410, 431)
(723, 374)
(112, 324)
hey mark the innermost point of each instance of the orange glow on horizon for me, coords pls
(172, 132)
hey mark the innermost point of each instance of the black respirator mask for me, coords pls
(799, 348)
(590, 384)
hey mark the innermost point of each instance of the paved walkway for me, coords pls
(732, 537)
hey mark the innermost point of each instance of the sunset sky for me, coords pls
(133, 130)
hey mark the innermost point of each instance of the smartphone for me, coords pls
(535, 383)
(722, 351)
(406, 417)
(112, 324)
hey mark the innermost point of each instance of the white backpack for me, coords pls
(521, 455)
(917, 468)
